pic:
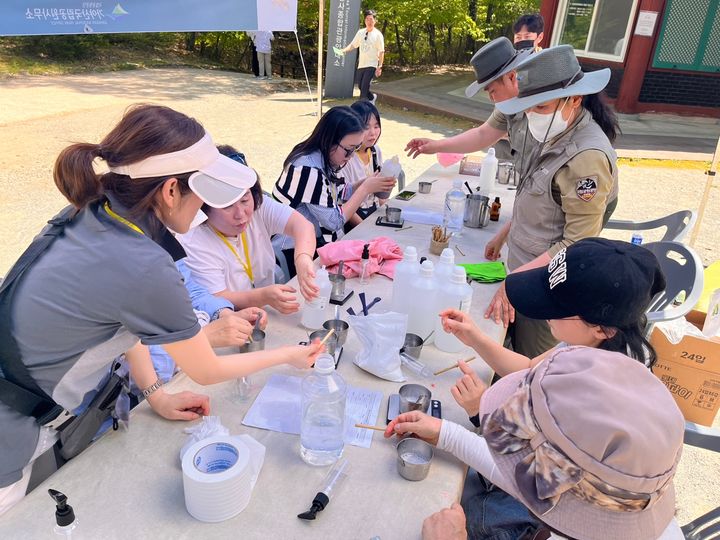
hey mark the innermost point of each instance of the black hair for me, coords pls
(364, 109)
(234, 154)
(631, 341)
(533, 21)
(369, 12)
(601, 112)
(335, 124)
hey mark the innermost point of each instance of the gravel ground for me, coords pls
(42, 115)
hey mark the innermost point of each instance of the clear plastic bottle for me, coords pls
(322, 428)
(364, 262)
(423, 292)
(445, 266)
(65, 522)
(488, 172)
(406, 271)
(454, 211)
(315, 311)
(454, 294)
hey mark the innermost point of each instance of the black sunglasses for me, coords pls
(366, 36)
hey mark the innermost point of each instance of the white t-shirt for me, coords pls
(355, 171)
(215, 267)
(370, 48)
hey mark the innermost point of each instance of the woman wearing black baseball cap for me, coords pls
(593, 293)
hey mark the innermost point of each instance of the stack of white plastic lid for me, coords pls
(218, 476)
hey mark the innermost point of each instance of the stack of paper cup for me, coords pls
(219, 474)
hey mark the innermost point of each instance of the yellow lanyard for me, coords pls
(247, 263)
(122, 219)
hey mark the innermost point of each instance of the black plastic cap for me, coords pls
(366, 252)
(64, 514)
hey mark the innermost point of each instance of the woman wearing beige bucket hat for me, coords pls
(568, 180)
(99, 283)
(589, 442)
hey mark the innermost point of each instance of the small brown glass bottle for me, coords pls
(495, 209)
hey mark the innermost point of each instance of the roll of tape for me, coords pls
(218, 477)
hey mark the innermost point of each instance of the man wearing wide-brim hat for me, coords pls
(494, 64)
(566, 192)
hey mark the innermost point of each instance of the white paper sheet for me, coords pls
(277, 408)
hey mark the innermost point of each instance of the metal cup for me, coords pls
(257, 343)
(413, 345)
(505, 172)
(338, 286)
(477, 211)
(341, 329)
(331, 345)
(414, 458)
(414, 397)
(392, 214)
(424, 187)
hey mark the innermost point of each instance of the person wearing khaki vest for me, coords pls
(568, 179)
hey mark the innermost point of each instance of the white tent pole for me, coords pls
(706, 194)
(302, 61)
(321, 31)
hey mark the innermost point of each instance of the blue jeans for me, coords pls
(492, 514)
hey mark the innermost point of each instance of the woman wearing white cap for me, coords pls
(568, 174)
(100, 282)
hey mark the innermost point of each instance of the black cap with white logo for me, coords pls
(605, 282)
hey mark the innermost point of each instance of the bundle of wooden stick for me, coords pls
(439, 234)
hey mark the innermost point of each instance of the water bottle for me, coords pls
(454, 294)
(454, 211)
(423, 292)
(314, 313)
(322, 428)
(637, 239)
(406, 271)
(445, 267)
(488, 172)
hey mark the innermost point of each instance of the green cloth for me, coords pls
(489, 272)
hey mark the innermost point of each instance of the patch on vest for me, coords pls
(586, 188)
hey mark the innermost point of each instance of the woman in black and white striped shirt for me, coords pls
(311, 181)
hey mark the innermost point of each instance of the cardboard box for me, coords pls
(691, 371)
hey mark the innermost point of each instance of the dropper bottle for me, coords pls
(364, 262)
(335, 477)
(65, 522)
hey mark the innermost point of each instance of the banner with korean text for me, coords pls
(340, 70)
(47, 17)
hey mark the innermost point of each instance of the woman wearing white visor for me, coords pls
(568, 180)
(104, 284)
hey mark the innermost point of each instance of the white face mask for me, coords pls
(541, 124)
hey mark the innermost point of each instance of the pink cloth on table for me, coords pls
(385, 253)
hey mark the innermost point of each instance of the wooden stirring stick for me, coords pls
(467, 361)
(327, 336)
(366, 426)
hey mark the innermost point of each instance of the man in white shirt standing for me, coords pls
(372, 53)
(262, 39)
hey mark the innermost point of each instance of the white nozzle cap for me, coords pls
(459, 275)
(410, 254)
(447, 256)
(491, 152)
(427, 268)
(325, 364)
